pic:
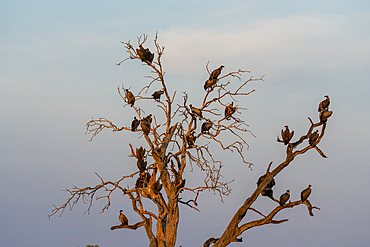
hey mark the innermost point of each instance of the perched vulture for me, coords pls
(148, 55)
(157, 95)
(306, 193)
(209, 84)
(141, 164)
(140, 152)
(149, 118)
(130, 97)
(286, 135)
(134, 124)
(324, 115)
(313, 137)
(142, 180)
(156, 187)
(284, 198)
(229, 110)
(123, 218)
(206, 127)
(216, 73)
(141, 53)
(145, 54)
(324, 105)
(196, 112)
(190, 139)
(267, 191)
(145, 124)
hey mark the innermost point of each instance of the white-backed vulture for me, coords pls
(284, 198)
(216, 73)
(122, 218)
(324, 105)
(130, 97)
(229, 110)
(306, 193)
(313, 138)
(134, 124)
(157, 95)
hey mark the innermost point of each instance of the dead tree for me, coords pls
(181, 136)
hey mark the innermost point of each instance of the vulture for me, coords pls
(140, 152)
(209, 84)
(134, 124)
(145, 124)
(196, 112)
(313, 137)
(229, 110)
(149, 118)
(324, 115)
(123, 218)
(130, 97)
(190, 139)
(206, 127)
(324, 105)
(156, 187)
(306, 193)
(284, 198)
(286, 135)
(141, 164)
(157, 95)
(141, 52)
(149, 56)
(142, 180)
(216, 73)
(267, 191)
(145, 54)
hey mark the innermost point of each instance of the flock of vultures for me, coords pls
(147, 184)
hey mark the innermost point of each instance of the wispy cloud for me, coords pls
(276, 43)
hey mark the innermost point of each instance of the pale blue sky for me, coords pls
(57, 70)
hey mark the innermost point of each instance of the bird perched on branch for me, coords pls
(148, 55)
(306, 193)
(148, 118)
(324, 105)
(216, 73)
(190, 139)
(130, 97)
(212, 80)
(284, 198)
(141, 164)
(313, 138)
(122, 218)
(196, 112)
(156, 187)
(144, 54)
(229, 110)
(142, 180)
(286, 135)
(134, 124)
(324, 115)
(140, 152)
(145, 124)
(267, 191)
(141, 53)
(157, 95)
(140, 155)
(206, 127)
(209, 84)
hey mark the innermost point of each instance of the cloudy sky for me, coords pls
(57, 71)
